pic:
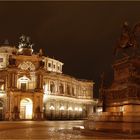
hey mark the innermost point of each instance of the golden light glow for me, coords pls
(99, 110)
(26, 108)
(49, 97)
(122, 109)
(70, 108)
(61, 108)
(80, 109)
(2, 87)
(52, 107)
(1, 94)
(76, 109)
(24, 79)
(81, 127)
(45, 88)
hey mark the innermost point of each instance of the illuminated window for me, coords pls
(23, 83)
(49, 64)
(61, 89)
(84, 92)
(58, 68)
(52, 87)
(73, 91)
(23, 86)
(68, 89)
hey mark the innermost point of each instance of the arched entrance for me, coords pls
(1, 110)
(26, 108)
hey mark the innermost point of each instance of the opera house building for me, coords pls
(33, 86)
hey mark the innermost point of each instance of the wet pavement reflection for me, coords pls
(51, 130)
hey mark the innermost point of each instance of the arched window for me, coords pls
(23, 83)
(52, 87)
(73, 91)
(84, 92)
(61, 88)
(68, 89)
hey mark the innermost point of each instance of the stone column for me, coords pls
(13, 79)
(64, 87)
(9, 80)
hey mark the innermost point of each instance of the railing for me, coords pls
(72, 96)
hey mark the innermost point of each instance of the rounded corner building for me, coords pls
(33, 87)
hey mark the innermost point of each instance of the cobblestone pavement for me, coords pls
(50, 130)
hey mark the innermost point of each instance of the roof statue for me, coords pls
(128, 39)
(25, 42)
(40, 52)
(25, 46)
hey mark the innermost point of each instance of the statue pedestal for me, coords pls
(121, 100)
(114, 122)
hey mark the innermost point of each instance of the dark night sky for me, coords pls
(80, 34)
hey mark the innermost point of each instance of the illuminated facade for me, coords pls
(33, 86)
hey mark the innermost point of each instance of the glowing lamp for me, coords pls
(80, 109)
(51, 107)
(76, 108)
(70, 109)
(61, 108)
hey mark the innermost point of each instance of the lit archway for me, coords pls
(26, 109)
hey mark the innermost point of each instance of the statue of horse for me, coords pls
(128, 39)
